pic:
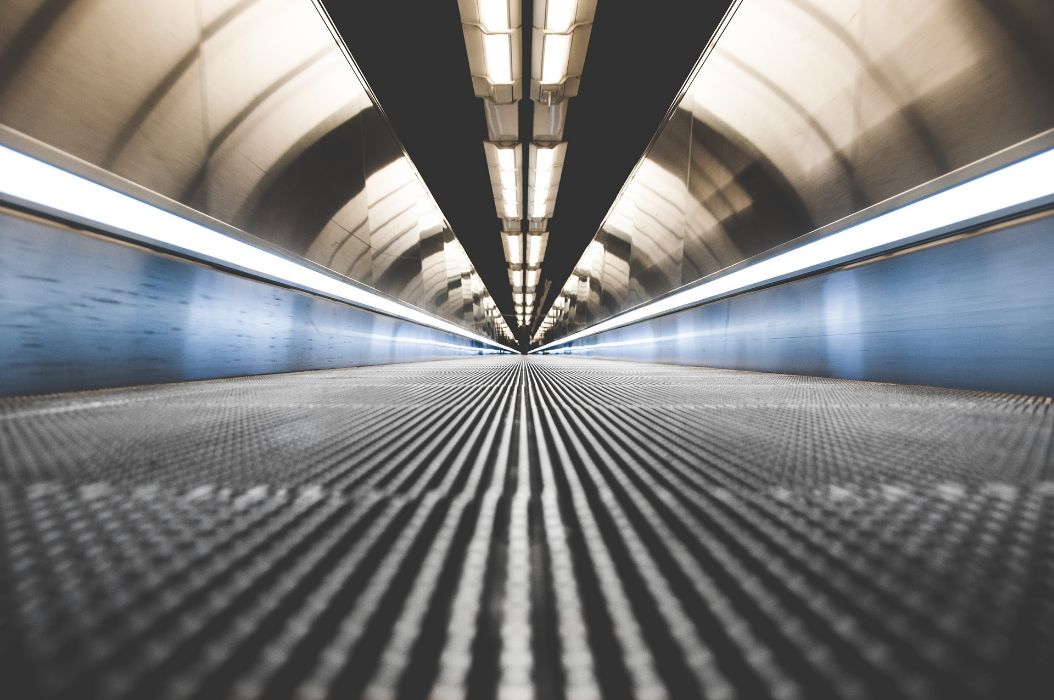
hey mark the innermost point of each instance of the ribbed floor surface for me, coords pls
(513, 528)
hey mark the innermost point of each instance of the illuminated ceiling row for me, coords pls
(525, 177)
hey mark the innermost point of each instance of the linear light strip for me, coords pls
(35, 181)
(1010, 186)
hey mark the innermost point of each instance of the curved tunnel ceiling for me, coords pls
(248, 112)
(805, 112)
(418, 69)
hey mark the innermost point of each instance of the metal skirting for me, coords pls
(512, 527)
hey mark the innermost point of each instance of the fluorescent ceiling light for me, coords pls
(535, 248)
(560, 15)
(516, 277)
(558, 27)
(494, 15)
(539, 208)
(531, 278)
(544, 159)
(556, 52)
(513, 248)
(545, 163)
(507, 159)
(503, 164)
(510, 202)
(982, 197)
(45, 185)
(508, 179)
(543, 180)
(497, 48)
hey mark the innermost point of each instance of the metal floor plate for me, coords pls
(527, 527)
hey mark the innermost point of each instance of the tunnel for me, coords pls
(517, 350)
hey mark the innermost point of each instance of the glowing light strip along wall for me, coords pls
(31, 180)
(1013, 185)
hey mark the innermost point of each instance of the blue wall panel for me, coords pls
(975, 312)
(78, 311)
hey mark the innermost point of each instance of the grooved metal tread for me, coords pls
(527, 527)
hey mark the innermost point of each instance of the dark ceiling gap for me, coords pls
(523, 335)
(638, 58)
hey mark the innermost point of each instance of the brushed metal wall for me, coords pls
(975, 312)
(804, 112)
(82, 311)
(248, 111)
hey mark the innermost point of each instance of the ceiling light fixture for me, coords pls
(561, 30)
(492, 41)
(560, 34)
(504, 164)
(559, 37)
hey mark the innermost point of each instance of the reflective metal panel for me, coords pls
(806, 111)
(650, 211)
(116, 83)
(246, 110)
(79, 311)
(973, 312)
